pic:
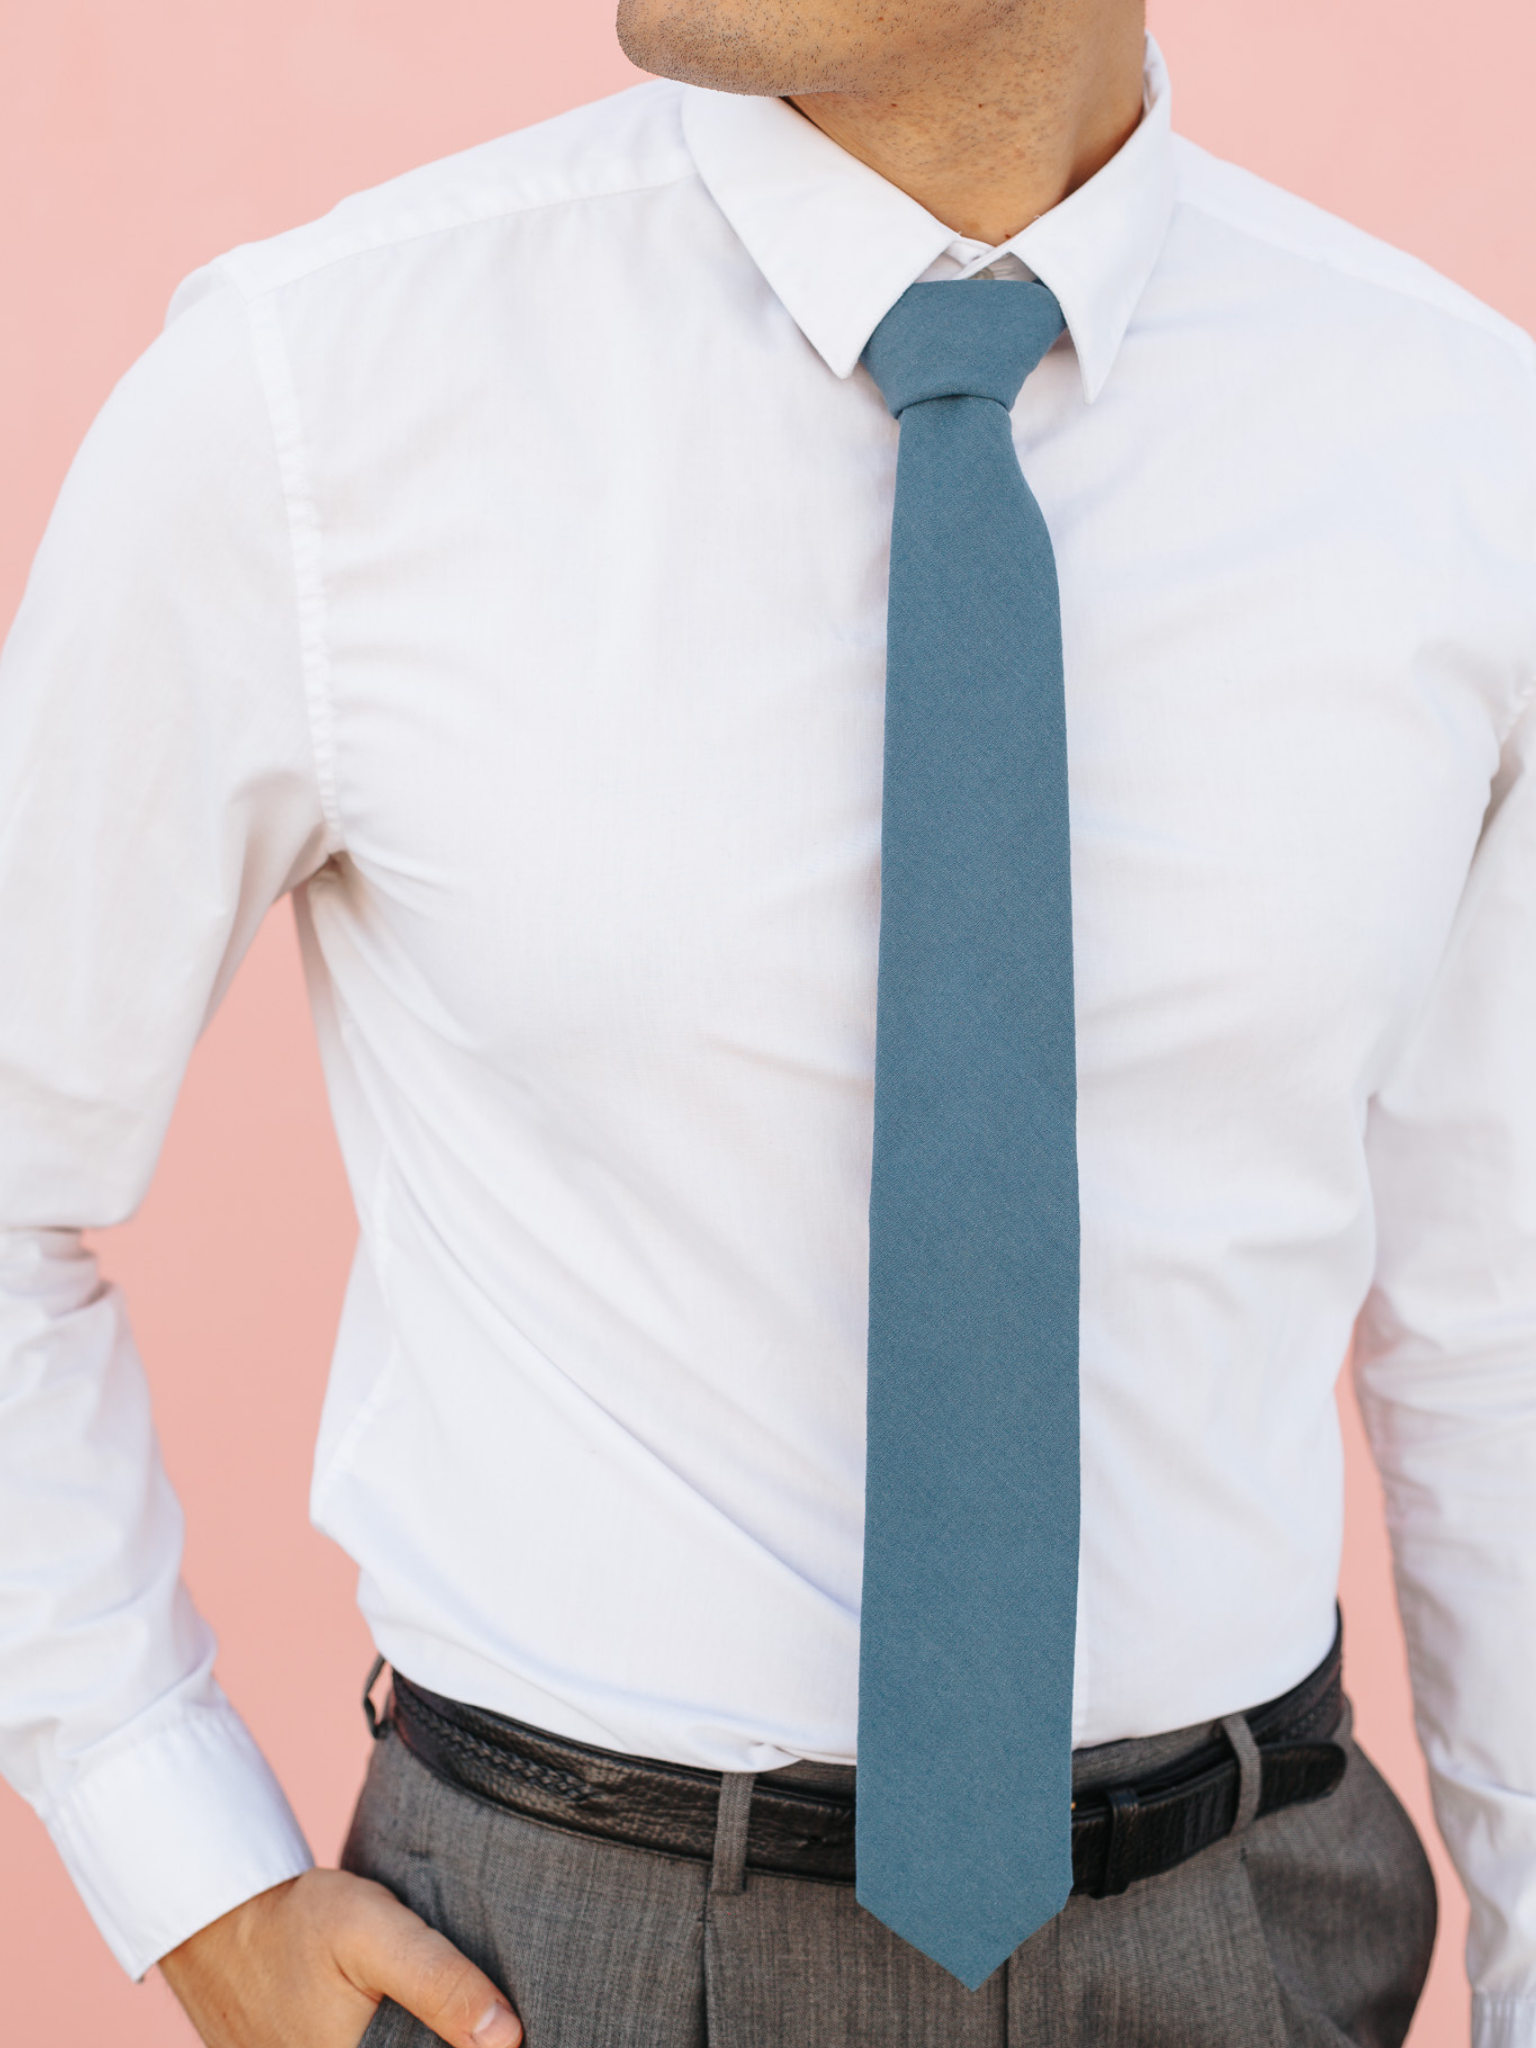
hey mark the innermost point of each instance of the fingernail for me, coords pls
(498, 2028)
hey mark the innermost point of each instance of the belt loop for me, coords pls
(728, 1871)
(378, 1724)
(1250, 1770)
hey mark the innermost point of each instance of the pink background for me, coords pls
(136, 140)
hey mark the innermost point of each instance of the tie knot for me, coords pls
(976, 340)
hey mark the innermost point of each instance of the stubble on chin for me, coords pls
(761, 47)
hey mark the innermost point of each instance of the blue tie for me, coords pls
(970, 1547)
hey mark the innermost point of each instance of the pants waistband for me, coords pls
(800, 1821)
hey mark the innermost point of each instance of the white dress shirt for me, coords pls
(501, 563)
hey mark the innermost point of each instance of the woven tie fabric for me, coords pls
(971, 1535)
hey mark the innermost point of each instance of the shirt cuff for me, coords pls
(1503, 2022)
(174, 1829)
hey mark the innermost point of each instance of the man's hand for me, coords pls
(306, 1964)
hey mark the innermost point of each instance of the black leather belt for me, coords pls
(1120, 1833)
(1124, 1832)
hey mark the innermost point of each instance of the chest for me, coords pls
(608, 704)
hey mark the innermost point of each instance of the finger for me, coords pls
(390, 1953)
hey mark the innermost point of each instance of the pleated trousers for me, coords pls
(1312, 1929)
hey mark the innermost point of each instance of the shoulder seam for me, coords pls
(421, 225)
(1459, 305)
(283, 415)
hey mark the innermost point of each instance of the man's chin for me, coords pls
(715, 43)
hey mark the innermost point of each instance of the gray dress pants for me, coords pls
(1310, 1929)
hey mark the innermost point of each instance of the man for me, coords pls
(901, 712)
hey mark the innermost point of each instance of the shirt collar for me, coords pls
(839, 245)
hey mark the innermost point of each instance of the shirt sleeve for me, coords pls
(158, 791)
(1446, 1365)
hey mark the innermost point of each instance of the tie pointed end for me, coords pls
(970, 1953)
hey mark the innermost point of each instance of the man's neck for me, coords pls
(992, 135)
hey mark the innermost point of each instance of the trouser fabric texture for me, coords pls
(1307, 1928)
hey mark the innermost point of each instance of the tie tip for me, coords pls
(970, 1953)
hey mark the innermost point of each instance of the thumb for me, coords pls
(388, 1952)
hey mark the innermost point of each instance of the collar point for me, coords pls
(1094, 377)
